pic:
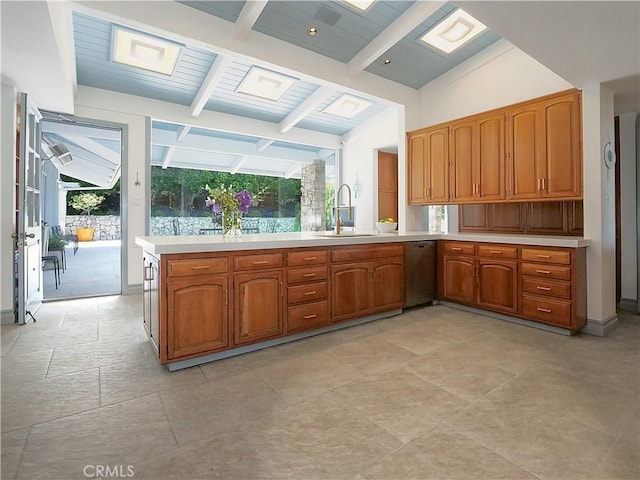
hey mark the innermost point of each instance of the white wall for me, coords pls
(599, 203)
(7, 197)
(360, 160)
(509, 77)
(628, 205)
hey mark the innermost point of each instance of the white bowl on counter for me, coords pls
(386, 227)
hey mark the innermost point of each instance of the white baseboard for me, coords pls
(7, 317)
(132, 289)
(629, 305)
(601, 328)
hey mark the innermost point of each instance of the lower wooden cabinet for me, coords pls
(457, 278)
(197, 315)
(498, 285)
(361, 288)
(543, 284)
(257, 310)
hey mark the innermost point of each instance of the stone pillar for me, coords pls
(312, 203)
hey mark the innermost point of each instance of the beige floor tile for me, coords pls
(8, 335)
(319, 439)
(108, 329)
(12, 447)
(371, 355)
(445, 454)
(400, 402)
(533, 436)
(623, 461)
(27, 404)
(26, 367)
(200, 411)
(127, 380)
(118, 435)
(452, 371)
(241, 363)
(96, 354)
(34, 337)
(305, 377)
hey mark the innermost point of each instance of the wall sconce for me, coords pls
(137, 182)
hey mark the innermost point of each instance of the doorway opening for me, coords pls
(81, 207)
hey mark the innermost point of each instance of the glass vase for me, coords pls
(231, 224)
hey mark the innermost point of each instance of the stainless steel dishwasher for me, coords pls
(420, 272)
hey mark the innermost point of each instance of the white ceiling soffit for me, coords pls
(27, 28)
(596, 41)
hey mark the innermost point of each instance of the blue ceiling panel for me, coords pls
(324, 122)
(414, 63)
(227, 10)
(158, 153)
(207, 132)
(342, 38)
(92, 38)
(225, 99)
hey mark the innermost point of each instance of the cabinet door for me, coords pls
(257, 306)
(526, 153)
(507, 217)
(458, 279)
(463, 159)
(417, 170)
(197, 315)
(473, 217)
(497, 285)
(438, 165)
(563, 156)
(350, 290)
(387, 185)
(548, 218)
(575, 218)
(388, 284)
(490, 165)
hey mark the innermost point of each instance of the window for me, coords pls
(437, 219)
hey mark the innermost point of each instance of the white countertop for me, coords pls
(217, 243)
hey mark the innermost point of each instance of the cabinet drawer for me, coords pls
(307, 292)
(252, 262)
(196, 266)
(562, 257)
(497, 251)
(310, 257)
(307, 316)
(548, 310)
(310, 274)
(542, 287)
(546, 271)
(366, 252)
(459, 248)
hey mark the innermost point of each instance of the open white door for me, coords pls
(28, 211)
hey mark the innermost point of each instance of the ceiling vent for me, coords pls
(326, 15)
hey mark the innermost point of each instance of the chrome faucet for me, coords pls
(338, 207)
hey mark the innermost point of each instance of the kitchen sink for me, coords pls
(344, 234)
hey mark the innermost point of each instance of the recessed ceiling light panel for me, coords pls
(144, 51)
(265, 84)
(347, 106)
(453, 32)
(361, 5)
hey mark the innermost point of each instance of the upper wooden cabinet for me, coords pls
(526, 152)
(429, 166)
(544, 149)
(477, 159)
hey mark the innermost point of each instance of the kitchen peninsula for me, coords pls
(207, 297)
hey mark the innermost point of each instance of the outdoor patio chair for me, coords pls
(69, 237)
(50, 258)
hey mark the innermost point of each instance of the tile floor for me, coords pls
(434, 393)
